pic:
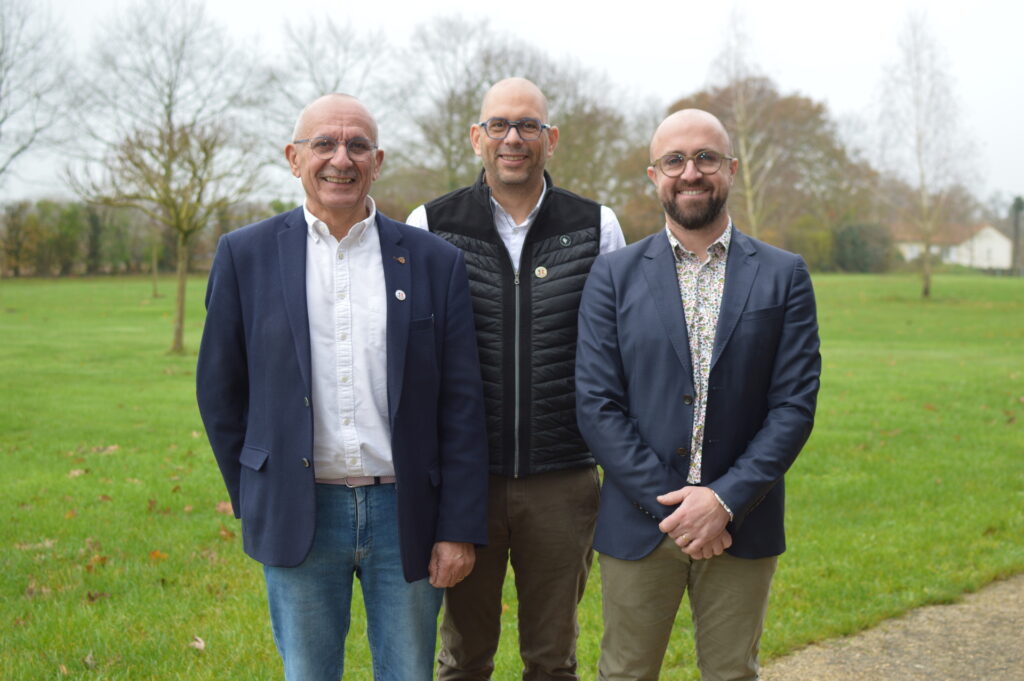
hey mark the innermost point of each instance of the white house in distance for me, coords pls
(981, 246)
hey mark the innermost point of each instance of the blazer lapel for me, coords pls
(740, 272)
(659, 267)
(399, 293)
(291, 248)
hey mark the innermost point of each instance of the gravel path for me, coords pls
(981, 638)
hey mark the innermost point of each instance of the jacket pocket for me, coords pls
(763, 313)
(253, 457)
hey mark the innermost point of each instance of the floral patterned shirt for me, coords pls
(700, 286)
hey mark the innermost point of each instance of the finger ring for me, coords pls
(685, 538)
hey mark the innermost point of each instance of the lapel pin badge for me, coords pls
(400, 259)
(400, 294)
(541, 272)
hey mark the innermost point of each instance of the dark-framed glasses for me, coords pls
(357, 148)
(528, 128)
(706, 161)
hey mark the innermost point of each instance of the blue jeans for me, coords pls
(356, 534)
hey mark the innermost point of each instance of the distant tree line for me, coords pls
(171, 128)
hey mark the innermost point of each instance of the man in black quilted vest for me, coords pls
(529, 246)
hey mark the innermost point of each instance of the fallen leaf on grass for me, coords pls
(77, 472)
(45, 544)
(96, 561)
(63, 670)
(156, 555)
(187, 509)
(197, 643)
(930, 407)
(225, 508)
(33, 589)
(196, 434)
(225, 533)
(150, 505)
(175, 489)
(94, 596)
(104, 497)
(70, 514)
(134, 481)
(88, 661)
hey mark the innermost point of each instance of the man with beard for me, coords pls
(529, 245)
(697, 374)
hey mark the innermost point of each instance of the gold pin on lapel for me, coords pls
(399, 258)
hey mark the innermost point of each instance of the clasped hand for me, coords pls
(698, 525)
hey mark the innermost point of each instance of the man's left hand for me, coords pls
(698, 523)
(450, 562)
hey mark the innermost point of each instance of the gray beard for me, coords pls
(695, 219)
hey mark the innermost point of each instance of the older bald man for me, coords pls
(339, 385)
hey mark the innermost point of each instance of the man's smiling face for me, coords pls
(692, 201)
(336, 188)
(514, 161)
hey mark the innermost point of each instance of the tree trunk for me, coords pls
(154, 268)
(178, 344)
(926, 271)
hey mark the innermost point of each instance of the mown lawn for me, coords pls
(118, 557)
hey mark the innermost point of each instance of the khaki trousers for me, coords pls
(544, 525)
(728, 601)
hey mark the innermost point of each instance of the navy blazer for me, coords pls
(634, 390)
(253, 388)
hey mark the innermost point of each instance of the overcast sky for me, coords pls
(831, 52)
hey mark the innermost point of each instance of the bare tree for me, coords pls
(32, 75)
(921, 137)
(322, 56)
(166, 107)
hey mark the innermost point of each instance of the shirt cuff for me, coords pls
(724, 505)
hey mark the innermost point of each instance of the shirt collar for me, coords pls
(718, 248)
(317, 229)
(533, 212)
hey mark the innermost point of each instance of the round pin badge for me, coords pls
(541, 272)
(400, 294)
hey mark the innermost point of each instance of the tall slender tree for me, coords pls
(169, 106)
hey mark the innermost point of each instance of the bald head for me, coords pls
(689, 124)
(514, 92)
(327, 104)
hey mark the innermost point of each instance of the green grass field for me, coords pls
(117, 557)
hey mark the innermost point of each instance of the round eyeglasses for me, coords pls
(357, 148)
(529, 129)
(706, 161)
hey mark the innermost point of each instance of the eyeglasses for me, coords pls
(357, 148)
(706, 161)
(529, 129)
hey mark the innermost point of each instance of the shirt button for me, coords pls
(687, 399)
(342, 336)
(341, 256)
(345, 422)
(344, 379)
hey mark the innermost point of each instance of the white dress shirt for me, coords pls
(347, 306)
(513, 235)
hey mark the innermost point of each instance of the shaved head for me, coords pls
(326, 102)
(518, 90)
(685, 120)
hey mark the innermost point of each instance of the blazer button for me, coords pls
(687, 399)
(305, 462)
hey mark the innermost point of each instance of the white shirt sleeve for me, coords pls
(418, 218)
(611, 232)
